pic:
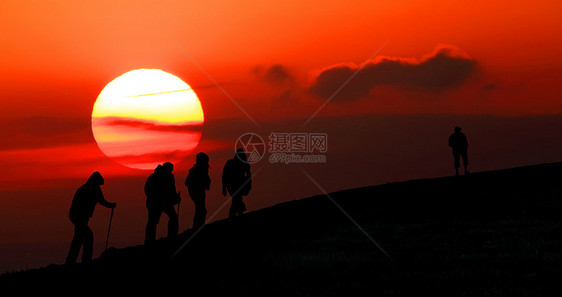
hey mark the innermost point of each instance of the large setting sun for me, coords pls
(145, 117)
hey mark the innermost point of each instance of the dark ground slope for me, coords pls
(489, 234)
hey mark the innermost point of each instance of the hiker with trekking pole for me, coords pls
(81, 210)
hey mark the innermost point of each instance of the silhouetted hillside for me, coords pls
(491, 233)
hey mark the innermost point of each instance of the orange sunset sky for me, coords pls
(493, 67)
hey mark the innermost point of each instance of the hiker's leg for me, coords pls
(75, 245)
(202, 209)
(456, 159)
(88, 245)
(465, 161)
(203, 212)
(173, 224)
(200, 212)
(195, 218)
(232, 211)
(237, 204)
(241, 207)
(153, 219)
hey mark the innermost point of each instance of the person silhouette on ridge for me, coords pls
(81, 210)
(237, 179)
(161, 196)
(459, 144)
(197, 182)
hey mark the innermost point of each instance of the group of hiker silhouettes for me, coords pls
(161, 195)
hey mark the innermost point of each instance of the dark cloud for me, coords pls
(284, 100)
(283, 86)
(489, 87)
(41, 132)
(445, 68)
(151, 157)
(275, 74)
(147, 125)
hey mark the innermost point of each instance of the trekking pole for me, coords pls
(179, 201)
(109, 229)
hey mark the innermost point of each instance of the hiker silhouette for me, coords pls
(459, 144)
(161, 196)
(237, 179)
(81, 210)
(197, 182)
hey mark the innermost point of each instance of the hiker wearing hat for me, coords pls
(197, 182)
(459, 144)
(81, 210)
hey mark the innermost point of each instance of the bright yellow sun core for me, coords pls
(146, 117)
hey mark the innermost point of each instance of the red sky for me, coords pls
(492, 67)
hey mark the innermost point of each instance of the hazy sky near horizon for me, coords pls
(492, 67)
